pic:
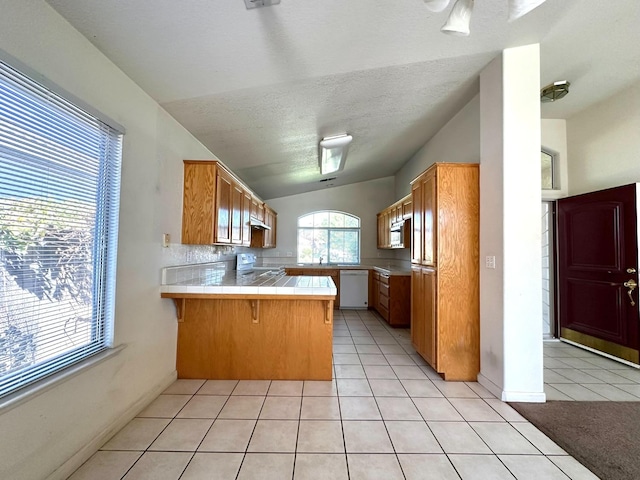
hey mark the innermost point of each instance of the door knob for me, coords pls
(631, 285)
(631, 270)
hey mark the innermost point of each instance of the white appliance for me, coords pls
(354, 288)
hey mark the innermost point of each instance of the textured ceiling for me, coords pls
(261, 87)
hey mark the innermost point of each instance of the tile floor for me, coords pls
(387, 415)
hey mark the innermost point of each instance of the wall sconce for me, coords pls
(333, 153)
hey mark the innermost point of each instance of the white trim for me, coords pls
(528, 397)
(29, 392)
(93, 445)
(602, 354)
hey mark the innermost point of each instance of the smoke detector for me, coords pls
(555, 91)
(260, 3)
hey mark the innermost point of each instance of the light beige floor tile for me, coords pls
(539, 439)
(342, 340)
(505, 410)
(571, 467)
(213, 466)
(427, 467)
(159, 466)
(373, 359)
(277, 436)
(421, 388)
(385, 340)
(320, 408)
(604, 362)
(203, 406)
(281, 408)
(409, 372)
(577, 392)
(437, 409)
(399, 360)
(584, 363)
(455, 389)
(557, 363)
(380, 372)
(552, 393)
(328, 466)
(346, 359)
(480, 390)
(184, 386)
(555, 376)
(374, 467)
(247, 407)
(319, 389)
(458, 437)
(430, 372)
(606, 376)
(629, 388)
(577, 376)
(352, 387)
(344, 349)
(138, 434)
(165, 406)
(393, 408)
(611, 392)
(368, 349)
(530, 467)
(475, 410)
(366, 437)
(320, 436)
(266, 466)
(418, 360)
(387, 388)
(228, 436)
(502, 438)
(631, 374)
(412, 437)
(392, 349)
(218, 387)
(182, 435)
(349, 371)
(475, 467)
(106, 466)
(286, 388)
(359, 408)
(252, 387)
(364, 340)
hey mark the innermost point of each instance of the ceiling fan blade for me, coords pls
(519, 8)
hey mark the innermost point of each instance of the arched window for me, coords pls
(328, 237)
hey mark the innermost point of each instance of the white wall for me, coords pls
(363, 199)
(510, 294)
(604, 143)
(40, 435)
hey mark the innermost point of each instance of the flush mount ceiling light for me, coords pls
(460, 15)
(260, 3)
(333, 153)
(555, 91)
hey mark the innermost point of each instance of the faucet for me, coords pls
(320, 260)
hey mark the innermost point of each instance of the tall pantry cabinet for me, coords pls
(445, 298)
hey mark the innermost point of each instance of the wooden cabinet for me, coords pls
(445, 326)
(318, 272)
(392, 298)
(399, 211)
(266, 238)
(216, 207)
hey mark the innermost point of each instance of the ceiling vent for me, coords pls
(260, 3)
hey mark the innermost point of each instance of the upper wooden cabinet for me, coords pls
(266, 238)
(445, 326)
(400, 210)
(217, 207)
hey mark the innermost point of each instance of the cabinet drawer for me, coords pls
(384, 279)
(384, 301)
(384, 312)
(384, 289)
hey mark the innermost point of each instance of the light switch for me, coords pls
(166, 239)
(490, 261)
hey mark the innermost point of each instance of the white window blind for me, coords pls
(59, 200)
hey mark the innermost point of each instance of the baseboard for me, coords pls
(73, 463)
(505, 396)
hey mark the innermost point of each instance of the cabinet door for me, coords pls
(224, 187)
(406, 208)
(237, 197)
(246, 220)
(416, 222)
(430, 319)
(198, 205)
(379, 219)
(429, 218)
(418, 333)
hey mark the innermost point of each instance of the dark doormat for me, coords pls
(603, 436)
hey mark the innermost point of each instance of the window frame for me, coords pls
(329, 230)
(554, 172)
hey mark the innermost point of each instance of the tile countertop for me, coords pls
(387, 270)
(211, 278)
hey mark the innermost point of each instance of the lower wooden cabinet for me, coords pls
(423, 313)
(392, 298)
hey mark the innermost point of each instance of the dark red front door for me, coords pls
(597, 254)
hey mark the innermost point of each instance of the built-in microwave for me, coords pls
(399, 235)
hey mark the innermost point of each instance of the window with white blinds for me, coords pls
(59, 200)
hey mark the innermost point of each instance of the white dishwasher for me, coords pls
(354, 288)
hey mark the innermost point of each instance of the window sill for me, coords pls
(30, 392)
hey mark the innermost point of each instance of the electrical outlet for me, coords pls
(166, 239)
(490, 261)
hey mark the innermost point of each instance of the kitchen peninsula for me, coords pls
(255, 326)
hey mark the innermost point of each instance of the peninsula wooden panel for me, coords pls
(273, 339)
(449, 293)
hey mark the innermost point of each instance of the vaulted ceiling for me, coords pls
(261, 87)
